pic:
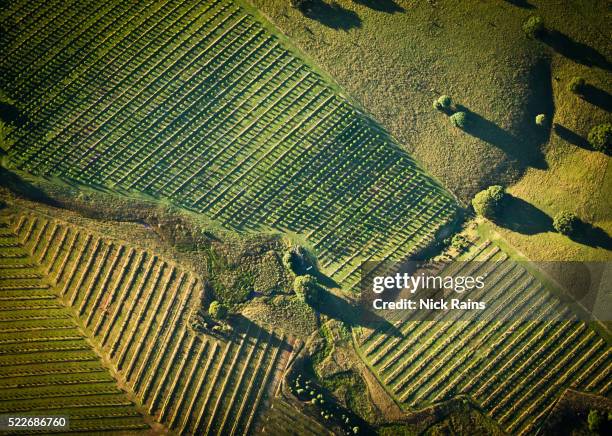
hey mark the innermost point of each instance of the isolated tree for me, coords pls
(565, 222)
(540, 120)
(307, 289)
(534, 26)
(488, 202)
(442, 102)
(298, 259)
(576, 85)
(217, 310)
(459, 120)
(595, 421)
(600, 137)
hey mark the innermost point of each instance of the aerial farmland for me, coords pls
(305, 217)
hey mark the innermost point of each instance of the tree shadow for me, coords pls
(331, 15)
(597, 97)
(526, 153)
(389, 6)
(521, 4)
(522, 217)
(355, 315)
(571, 137)
(25, 189)
(10, 114)
(577, 51)
(588, 234)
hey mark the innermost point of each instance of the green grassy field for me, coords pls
(396, 57)
(200, 104)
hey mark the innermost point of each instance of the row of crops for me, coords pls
(46, 365)
(136, 307)
(199, 103)
(514, 366)
(282, 416)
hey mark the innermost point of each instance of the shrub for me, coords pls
(443, 102)
(540, 120)
(459, 119)
(565, 222)
(487, 202)
(460, 242)
(298, 260)
(600, 137)
(217, 310)
(576, 85)
(595, 421)
(534, 26)
(307, 289)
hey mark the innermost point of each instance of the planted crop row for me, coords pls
(45, 362)
(515, 361)
(137, 308)
(200, 104)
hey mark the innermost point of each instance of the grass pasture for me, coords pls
(201, 104)
(396, 57)
(513, 367)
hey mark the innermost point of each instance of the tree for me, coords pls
(443, 102)
(600, 137)
(540, 120)
(565, 222)
(534, 26)
(576, 85)
(595, 421)
(488, 202)
(217, 310)
(307, 289)
(298, 260)
(459, 119)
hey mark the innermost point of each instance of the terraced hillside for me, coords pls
(198, 102)
(283, 419)
(136, 307)
(513, 366)
(46, 364)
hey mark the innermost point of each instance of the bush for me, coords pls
(460, 242)
(540, 120)
(298, 260)
(576, 85)
(600, 137)
(443, 102)
(534, 26)
(459, 119)
(307, 289)
(565, 222)
(595, 421)
(217, 310)
(488, 202)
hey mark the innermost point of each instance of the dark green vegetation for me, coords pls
(600, 137)
(565, 223)
(200, 104)
(488, 202)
